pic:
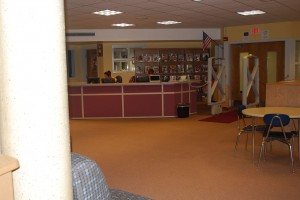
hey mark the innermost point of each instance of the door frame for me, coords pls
(289, 63)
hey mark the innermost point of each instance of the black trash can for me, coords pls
(183, 110)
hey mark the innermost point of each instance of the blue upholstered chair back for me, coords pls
(88, 181)
(240, 109)
(276, 120)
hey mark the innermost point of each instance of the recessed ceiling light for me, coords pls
(107, 12)
(251, 12)
(123, 25)
(168, 22)
(197, 0)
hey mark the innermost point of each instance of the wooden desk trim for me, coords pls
(7, 165)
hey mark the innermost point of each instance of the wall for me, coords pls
(150, 38)
(130, 35)
(105, 62)
(276, 31)
(283, 31)
(80, 59)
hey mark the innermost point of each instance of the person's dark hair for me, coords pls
(108, 73)
(150, 71)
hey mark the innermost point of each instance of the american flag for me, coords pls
(206, 40)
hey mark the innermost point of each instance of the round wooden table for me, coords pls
(292, 112)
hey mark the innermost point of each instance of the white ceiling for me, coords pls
(206, 14)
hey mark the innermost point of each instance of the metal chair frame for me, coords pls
(244, 127)
(272, 121)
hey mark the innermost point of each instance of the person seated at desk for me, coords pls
(107, 78)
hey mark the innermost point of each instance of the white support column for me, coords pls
(250, 80)
(216, 84)
(34, 125)
(218, 77)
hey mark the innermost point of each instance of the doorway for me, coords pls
(271, 67)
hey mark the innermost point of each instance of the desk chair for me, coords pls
(272, 122)
(89, 182)
(245, 127)
(119, 79)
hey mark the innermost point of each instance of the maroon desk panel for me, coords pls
(185, 87)
(75, 106)
(74, 90)
(170, 104)
(142, 88)
(193, 102)
(129, 100)
(142, 105)
(101, 89)
(185, 97)
(103, 106)
(172, 88)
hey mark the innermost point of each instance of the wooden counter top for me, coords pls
(115, 84)
(7, 164)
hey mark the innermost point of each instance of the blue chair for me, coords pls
(277, 122)
(245, 127)
(89, 182)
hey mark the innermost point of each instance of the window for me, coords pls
(71, 63)
(123, 57)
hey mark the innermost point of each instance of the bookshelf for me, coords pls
(172, 63)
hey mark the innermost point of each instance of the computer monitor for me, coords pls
(154, 78)
(108, 80)
(93, 80)
(140, 79)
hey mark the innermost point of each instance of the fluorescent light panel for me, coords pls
(107, 12)
(168, 22)
(251, 12)
(123, 25)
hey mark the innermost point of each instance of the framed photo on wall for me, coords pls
(100, 49)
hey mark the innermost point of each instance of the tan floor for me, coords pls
(183, 159)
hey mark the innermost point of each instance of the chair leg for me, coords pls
(237, 141)
(291, 156)
(246, 145)
(298, 147)
(262, 151)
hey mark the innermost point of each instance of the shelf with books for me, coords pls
(146, 55)
(189, 68)
(180, 68)
(172, 69)
(172, 63)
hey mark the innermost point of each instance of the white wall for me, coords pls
(142, 34)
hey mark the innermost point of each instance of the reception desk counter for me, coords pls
(131, 100)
